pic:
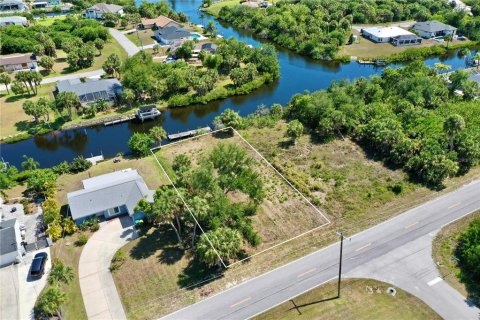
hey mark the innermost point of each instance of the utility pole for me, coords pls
(340, 264)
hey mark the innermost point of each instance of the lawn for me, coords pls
(365, 48)
(66, 250)
(361, 299)
(443, 253)
(215, 7)
(351, 187)
(48, 21)
(146, 37)
(146, 167)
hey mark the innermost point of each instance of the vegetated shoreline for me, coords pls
(219, 95)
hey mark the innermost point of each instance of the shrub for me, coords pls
(118, 260)
(82, 240)
(469, 249)
(396, 188)
(79, 164)
(69, 226)
(26, 208)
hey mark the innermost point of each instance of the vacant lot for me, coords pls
(282, 215)
(443, 253)
(353, 189)
(361, 299)
(140, 37)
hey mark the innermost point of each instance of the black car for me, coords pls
(38, 265)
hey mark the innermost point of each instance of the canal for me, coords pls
(298, 74)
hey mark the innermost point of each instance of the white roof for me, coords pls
(110, 178)
(386, 32)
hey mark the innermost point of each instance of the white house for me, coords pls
(11, 248)
(23, 62)
(98, 10)
(432, 29)
(108, 196)
(13, 21)
(9, 6)
(395, 35)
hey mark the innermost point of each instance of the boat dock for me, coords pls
(128, 118)
(148, 112)
(187, 134)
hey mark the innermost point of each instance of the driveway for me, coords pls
(126, 44)
(99, 293)
(9, 293)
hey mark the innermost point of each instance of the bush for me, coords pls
(79, 164)
(118, 260)
(26, 208)
(396, 188)
(82, 240)
(90, 223)
(469, 249)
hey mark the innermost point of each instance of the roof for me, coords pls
(91, 90)
(6, 2)
(17, 59)
(147, 108)
(108, 191)
(432, 26)
(13, 19)
(386, 32)
(209, 46)
(251, 4)
(173, 32)
(160, 21)
(8, 238)
(407, 37)
(106, 8)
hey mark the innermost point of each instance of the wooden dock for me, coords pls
(187, 134)
(109, 123)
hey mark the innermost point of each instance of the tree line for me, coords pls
(206, 188)
(319, 28)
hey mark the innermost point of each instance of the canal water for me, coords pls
(298, 74)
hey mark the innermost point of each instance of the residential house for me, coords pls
(98, 10)
(157, 23)
(11, 248)
(109, 195)
(13, 21)
(251, 4)
(394, 35)
(10, 6)
(91, 90)
(39, 4)
(22, 62)
(209, 47)
(171, 34)
(432, 29)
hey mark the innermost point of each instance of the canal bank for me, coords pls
(298, 74)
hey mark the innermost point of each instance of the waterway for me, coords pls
(299, 74)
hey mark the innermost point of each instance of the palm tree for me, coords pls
(200, 209)
(60, 273)
(220, 244)
(50, 302)
(442, 67)
(6, 80)
(448, 38)
(166, 208)
(452, 126)
(29, 163)
(67, 100)
(158, 134)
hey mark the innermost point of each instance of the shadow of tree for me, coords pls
(197, 274)
(154, 239)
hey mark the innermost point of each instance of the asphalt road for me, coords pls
(264, 292)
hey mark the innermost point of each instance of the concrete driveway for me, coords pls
(99, 293)
(18, 292)
(126, 44)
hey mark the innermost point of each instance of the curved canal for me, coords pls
(298, 74)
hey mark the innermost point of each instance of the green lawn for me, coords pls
(214, 9)
(48, 21)
(443, 253)
(146, 37)
(360, 299)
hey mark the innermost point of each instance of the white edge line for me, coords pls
(330, 245)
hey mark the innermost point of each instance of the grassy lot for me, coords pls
(146, 37)
(147, 168)
(65, 250)
(214, 9)
(365, 48)
(13, 120)
(361, 299)
(443, 252)
(48, 21)
(352, 188)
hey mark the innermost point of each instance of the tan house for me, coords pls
(157, 23)
(23, 62)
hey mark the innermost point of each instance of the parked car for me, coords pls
(38, 265)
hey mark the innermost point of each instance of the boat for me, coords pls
(147, 112)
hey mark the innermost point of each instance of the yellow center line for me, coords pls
(365, 246)
(240, 302)
(306, 272)
(454, 205)
(411, 225)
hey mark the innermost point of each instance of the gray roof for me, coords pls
(91, 90)
(108, 191)
(106, 8)
(432, 26)
(8, 239)
(13, 19)
(407, 37)
(172, 32)
(209, 46)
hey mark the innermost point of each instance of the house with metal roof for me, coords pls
(432, 29)
(171, 34)
(38, 4)
(92, 90)
(13, 21)
(406, 40)
(11, 248)
(98, 10)
(395, 35)
(10, 6)
(108, 196)
(21, 62)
